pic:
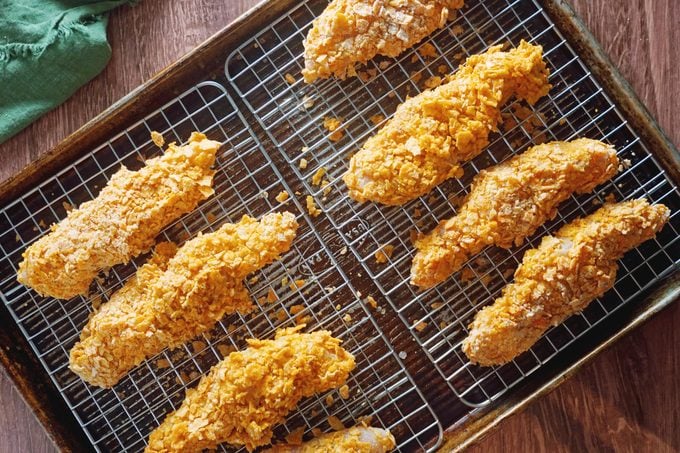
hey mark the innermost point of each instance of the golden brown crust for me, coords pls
(249, 392)
(510, 201)
(559, 278)
(122, 221)
(431, 134)
(358, 439)
(350, 32)
(176, 296)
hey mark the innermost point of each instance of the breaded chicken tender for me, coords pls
(249, 392)
(122, 221)
(559, 278)
(349, 32)
(432, 133)
(510, 201)
(176, 296)
(359, 439)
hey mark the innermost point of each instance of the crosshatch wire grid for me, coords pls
(246, 183)
(292, 114)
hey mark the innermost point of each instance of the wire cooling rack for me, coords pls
(265, 72)
(246, 183)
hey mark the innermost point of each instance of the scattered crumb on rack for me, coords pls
(282, 196)
(332, 125)
(197, 345)
(318, 176)
(162, 364)
(225, 350)
(313, 210)
(377, 118)
(297, 284)
(289, 78)
(466, 274)
(427, 50)
(335, 423)
(419, 325)
(303, 164)
(295, 436)
(370, 300)
(384, 254)
(157, 139)
(307, 102)
(432, 82)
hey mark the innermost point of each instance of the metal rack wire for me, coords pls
(265, 71)
(246, 182)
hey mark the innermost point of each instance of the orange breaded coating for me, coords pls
(176, 296)
(249, 392)
(358, 439)
(122, 221)
(510, 201)
(560, 278)
(432, 133)
(351, 32)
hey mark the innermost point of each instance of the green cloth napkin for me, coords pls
(48, 48)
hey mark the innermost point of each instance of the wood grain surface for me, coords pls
(626, 400)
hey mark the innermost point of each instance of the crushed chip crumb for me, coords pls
(332, 124)
(289, 78)
(344, 392)
(162, 364)
(329, 400)
(303, 164)
(271, 296)
(432, 82)
(295, 436)
(307, 102)
(419, 325)
(427, 50)
(157, 139)
(377, 118)
(384, 254)
(466, 275)
(225, 350)
(335, 423)
(296, 309)
(318, 176)
(370, 300)
(282, 196)
(197, 345)
(313, 210)
(297, 284)
(457, 30)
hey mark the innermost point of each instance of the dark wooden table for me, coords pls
(626, 400)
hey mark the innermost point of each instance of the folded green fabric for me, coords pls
(48, 48)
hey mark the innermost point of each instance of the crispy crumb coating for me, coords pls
(559, 278)
(432, 133)
(122, 221)
(358, 439)
(351, 32)
(249, 392)
(510, 201)
(176, 296)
